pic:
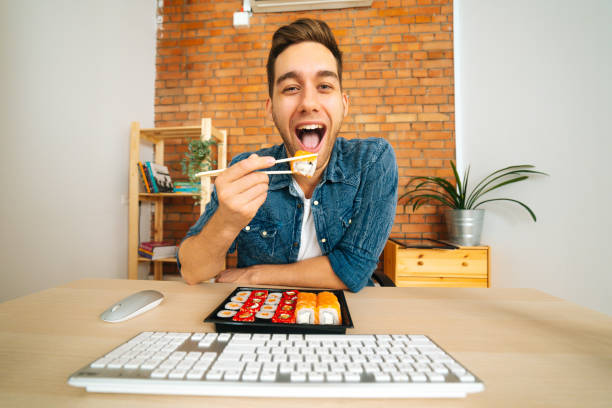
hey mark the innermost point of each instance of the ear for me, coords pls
(269, 108)
(345, 103)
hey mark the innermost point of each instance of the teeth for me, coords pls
(310, 127)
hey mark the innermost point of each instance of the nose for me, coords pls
(310, 100)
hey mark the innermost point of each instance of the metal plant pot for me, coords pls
(464, 226)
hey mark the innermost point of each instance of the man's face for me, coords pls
(307, 104)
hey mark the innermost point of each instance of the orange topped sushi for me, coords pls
(306, 166)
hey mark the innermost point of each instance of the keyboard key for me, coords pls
(232, 375)
(333, 377)
(316, 377)
(214, 375)
(298, 377)
(250, 375)
(467, 377)
(195, 374)
(177, 374)
(268, 376)
(382, 377)
(160, 373)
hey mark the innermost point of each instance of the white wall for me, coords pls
(534, 85)
(73, 75)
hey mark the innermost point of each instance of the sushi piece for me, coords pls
(290, 294)
(283, 317)
(268, 308)
(244, 316)
(328, 309)
(286, 308)
(259, 294)
(251, 306)
(305, 167)
(226, 313)
(264, 315)
(233, 305)
(245, 293)
(305, 310)
(240, 299)
(273, 300)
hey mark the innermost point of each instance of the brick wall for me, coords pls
(398, 73)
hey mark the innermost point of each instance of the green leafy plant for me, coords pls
(197, 158)
(425, 189)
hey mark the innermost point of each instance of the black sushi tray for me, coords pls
(226, 324)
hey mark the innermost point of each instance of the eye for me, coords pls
(291, 89)
(326, 87)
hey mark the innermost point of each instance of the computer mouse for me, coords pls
(132, 306)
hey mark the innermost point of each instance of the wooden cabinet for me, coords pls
(157, 137)
(462, 267)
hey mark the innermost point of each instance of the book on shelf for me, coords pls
(157, 249)
(161, 182)
(144, 178)
(186, 187)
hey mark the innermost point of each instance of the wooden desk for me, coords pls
(530, 349)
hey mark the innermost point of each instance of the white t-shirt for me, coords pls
(309, 245)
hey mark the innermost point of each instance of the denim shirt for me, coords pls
(353, 208)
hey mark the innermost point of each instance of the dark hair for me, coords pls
(302, 30)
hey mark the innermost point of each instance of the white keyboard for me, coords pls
(279, 365)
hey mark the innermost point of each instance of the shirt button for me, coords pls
(323, 240)
(295, 244)
(350, 220)
(299, 205)
(264, 233)
(247, 228)
(316, 202)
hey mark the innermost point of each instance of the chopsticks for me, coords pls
(288, 159)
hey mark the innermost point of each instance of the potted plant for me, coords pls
(463, 217)
(197, 159)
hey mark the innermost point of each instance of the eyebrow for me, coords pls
(295, 75)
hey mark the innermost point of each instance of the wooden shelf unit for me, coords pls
(463, 267)
(157, 137)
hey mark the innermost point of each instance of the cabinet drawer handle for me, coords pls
(420, 263)
(464, 264)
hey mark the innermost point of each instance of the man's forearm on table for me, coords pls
(202, 256)
(314, 272)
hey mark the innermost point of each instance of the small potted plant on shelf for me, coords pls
(464, 219)
(197, 159)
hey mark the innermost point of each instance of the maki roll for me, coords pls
(264, 315)
(284, 317)
(226, 313)
(305, 309)
(244, 316)
(305, 167)
(268, 308)
(233, 305)
(328, 309)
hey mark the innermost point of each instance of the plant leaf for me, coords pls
(514, 201)
(420, 199)
(479, 190)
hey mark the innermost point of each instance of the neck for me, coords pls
(308, 184)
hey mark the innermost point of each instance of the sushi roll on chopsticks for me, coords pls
(328, 309)
(305, 167)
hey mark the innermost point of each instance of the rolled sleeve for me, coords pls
(196, 228)
(356, 256)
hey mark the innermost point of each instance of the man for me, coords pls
(327, 230)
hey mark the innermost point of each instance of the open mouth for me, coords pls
(310, 136)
